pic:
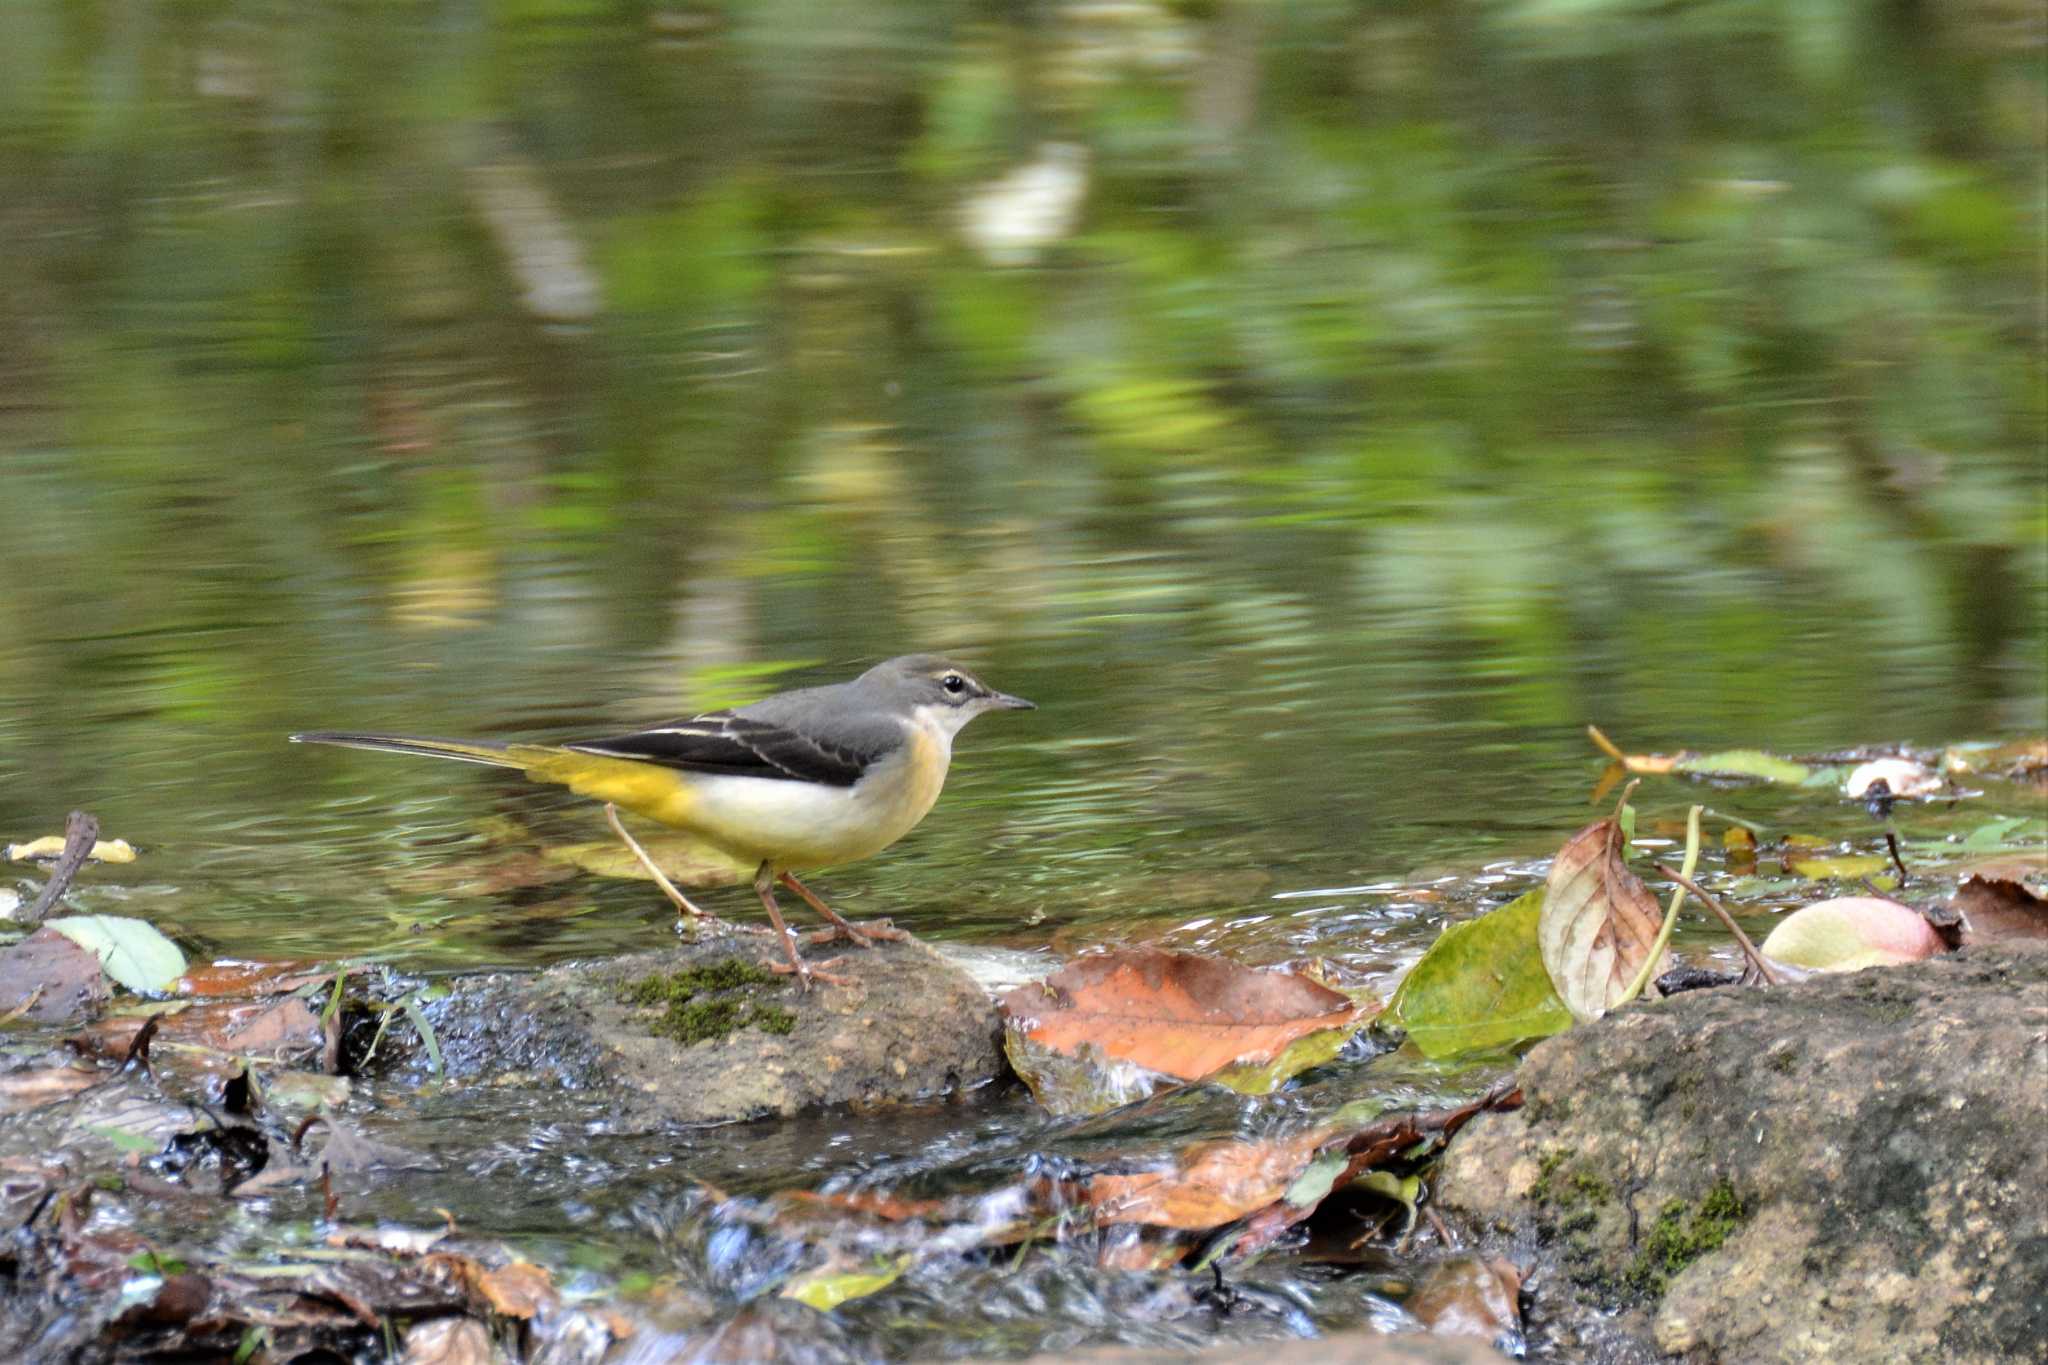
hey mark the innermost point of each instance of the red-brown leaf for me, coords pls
(1184, 1015)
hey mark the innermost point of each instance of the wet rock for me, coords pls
(1847, 1169)
(1342, 1348)
(699, 1033)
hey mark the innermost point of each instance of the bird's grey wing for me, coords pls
(747, 746)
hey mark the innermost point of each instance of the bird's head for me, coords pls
(939, 692)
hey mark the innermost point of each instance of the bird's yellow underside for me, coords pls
(793, 825)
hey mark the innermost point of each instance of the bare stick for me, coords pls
(1756, 959)
(81, 832)
(1891, 842)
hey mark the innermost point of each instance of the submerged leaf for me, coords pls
(1598, 924)
(1844, 866)
(1209, 1184)
(1183, 1015)
(131, 951)
(1481, 984)
(1753, 763)
(1852, 932)
(1469, 1296)
(829, 1286)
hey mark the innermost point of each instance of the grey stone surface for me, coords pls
(910, 1025)
(1869, 1151)
(1341, 1348)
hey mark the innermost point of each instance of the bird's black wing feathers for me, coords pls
(741, 746)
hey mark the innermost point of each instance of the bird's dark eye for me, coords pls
(954, 684)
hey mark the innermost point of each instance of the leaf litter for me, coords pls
(1100, 1030)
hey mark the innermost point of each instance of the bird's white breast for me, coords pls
(800, 825)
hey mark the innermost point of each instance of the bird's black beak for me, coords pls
(1010, 703)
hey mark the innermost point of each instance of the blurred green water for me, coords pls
(1412, 385)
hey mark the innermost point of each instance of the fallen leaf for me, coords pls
(48, 977)
(1481, 984)
(448, 1341)
(1850, 933)
(230, 976)
(1184, 1015)
(34, 1087)
(1208, 1184)
(52, 846)
(1598, 924)
(1836, 867)
(131, 951)
(831, 1285)
(894, 1208)
(1468, 1296)
(2024, 867)
(518, 1290)
(391, 1237)
(1997, 910)
(1752, 763)
(2015, 759)
(275, 1030)
(304, 1090)
(1130, 1248)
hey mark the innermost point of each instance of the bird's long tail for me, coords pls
(489, 753)
(644, 788)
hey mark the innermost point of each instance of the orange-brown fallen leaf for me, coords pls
(1599, 922)
(1185, 1015)
(230, 976)
(874, 1202)
(518, 1290)
(235, 1028)
(1209, 1184)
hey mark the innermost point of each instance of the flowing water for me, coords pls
(1403, 392)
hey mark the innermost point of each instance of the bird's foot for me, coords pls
(807, 972)
(860, 935)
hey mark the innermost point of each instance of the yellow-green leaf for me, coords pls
(827, 1287)
(1481, 984)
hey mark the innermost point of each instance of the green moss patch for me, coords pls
(704, 1002)
(1682, 1234)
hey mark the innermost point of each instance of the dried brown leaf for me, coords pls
(448, 1341)
(518, 1290)
(1184, 1015)
(34, 1087)
(47, 978)
(1468, 1296)
(1599, 922)
(1996, 910)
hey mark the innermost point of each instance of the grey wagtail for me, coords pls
(802, 779)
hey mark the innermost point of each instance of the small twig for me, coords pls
(1756, 959)
(1891, 842)
(1443, 1233)
(81, 832)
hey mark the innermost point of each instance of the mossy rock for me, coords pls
(702, 1032)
